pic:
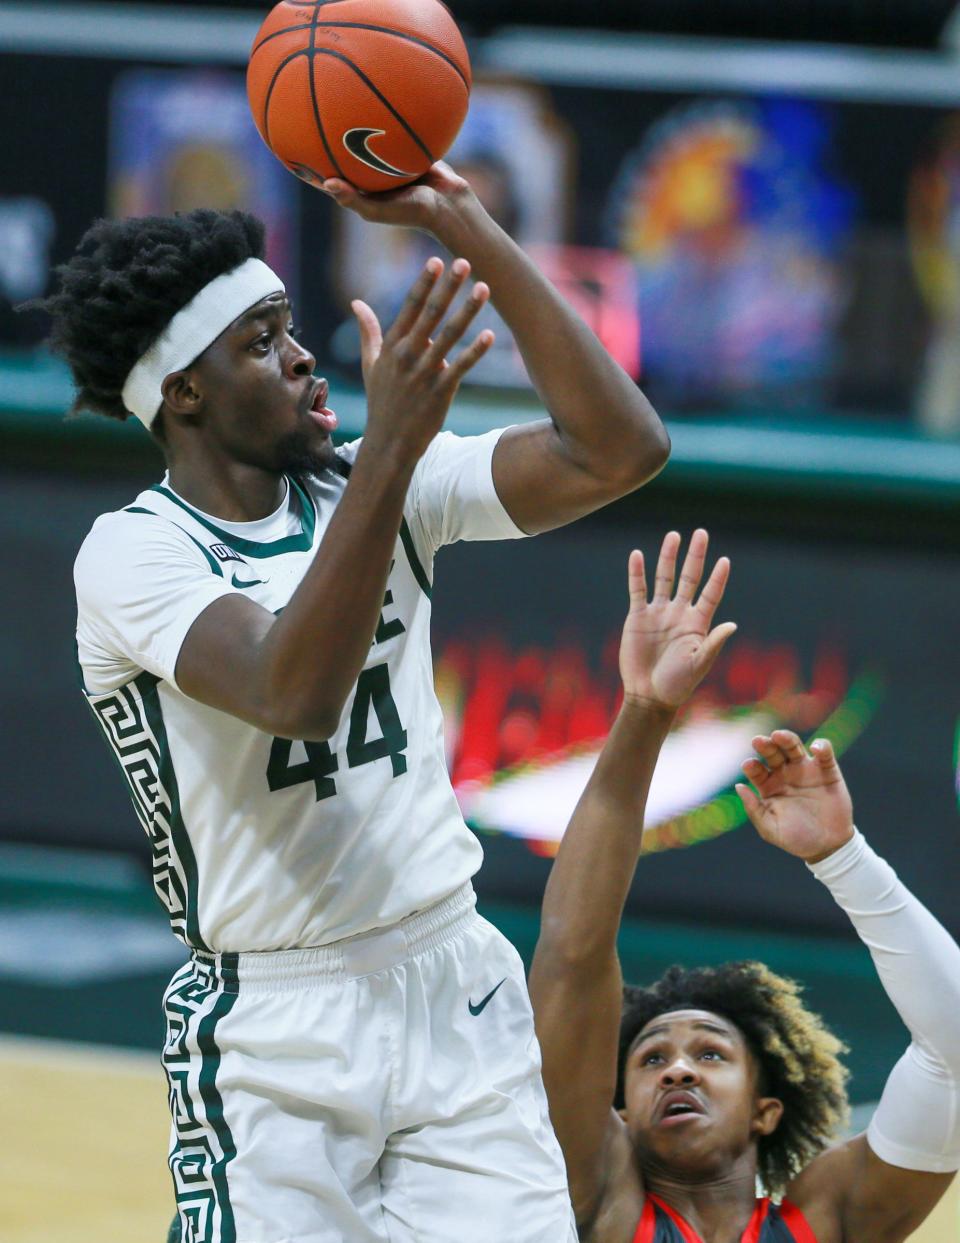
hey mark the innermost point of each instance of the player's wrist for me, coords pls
(394, 452)
(848, 847)
(647, 707)
(456, 216)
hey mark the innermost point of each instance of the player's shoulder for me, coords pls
(128, 535)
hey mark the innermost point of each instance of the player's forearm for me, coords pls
(592, 873)
(607, 426)
(905, 941)
(917, 1124)
(315, 651)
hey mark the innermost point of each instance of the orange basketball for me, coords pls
(373, 91)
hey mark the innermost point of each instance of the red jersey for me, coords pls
(770, 1223)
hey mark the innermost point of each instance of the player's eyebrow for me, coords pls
(700, 1025)
(264, 310)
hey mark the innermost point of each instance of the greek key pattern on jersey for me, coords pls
(126, 726)
(202, 1144)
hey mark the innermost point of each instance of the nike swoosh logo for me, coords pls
(475, 1009)
(357, 142)
(254, 583)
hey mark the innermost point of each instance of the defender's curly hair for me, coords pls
(126, 281)
(798, 1056)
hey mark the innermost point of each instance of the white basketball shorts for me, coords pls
(382, 1089)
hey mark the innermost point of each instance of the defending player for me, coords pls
(719, 1075)
(350, 1049)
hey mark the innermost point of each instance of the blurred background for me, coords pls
(757, 209)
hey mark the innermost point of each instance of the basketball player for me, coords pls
(350, 1048)
(718, 1076)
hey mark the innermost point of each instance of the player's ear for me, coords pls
(182, 394)
(767, 1112)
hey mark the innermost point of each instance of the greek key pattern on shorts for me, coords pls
(138, 751)
(202, 1143)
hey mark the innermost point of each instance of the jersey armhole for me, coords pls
(796, 1223)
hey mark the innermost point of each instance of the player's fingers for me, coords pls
(437, 304)
(712, 646)
(457, 325)
(755, 771)
(415, 300)
(468, 357)
(822, 751)
(371, 338)
(751, 804)
(692, 569)
(666, 566)
(790, 744)
(713, 590)
(637, 580)
(766, 747)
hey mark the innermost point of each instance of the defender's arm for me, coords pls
(575, 981)
(883, 1184)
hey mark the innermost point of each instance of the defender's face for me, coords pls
(692, 1102)
(262, 403)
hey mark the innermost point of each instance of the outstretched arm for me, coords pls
(575, 982)
(603, 438)
(879, 1186)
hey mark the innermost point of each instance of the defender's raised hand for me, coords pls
(667, 647)
(409, 381)
(803, 805)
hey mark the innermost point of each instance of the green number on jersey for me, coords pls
(373, 689)
(317, 767)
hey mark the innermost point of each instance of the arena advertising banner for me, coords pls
(735, 249)
(837, 637)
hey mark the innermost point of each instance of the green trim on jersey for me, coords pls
(255, 548)
(343, 468)
(214, 564)
(146, 684)
(419, 573)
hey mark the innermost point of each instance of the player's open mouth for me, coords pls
(677, 1108)
(318, 409)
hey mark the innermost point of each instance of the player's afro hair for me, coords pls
(126, 281)
(798, 1056)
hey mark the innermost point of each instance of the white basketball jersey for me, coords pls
(264, 843)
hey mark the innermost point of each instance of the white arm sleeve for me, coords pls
(141, 584)
(917, 1123)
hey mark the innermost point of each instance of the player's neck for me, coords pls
(233, 492)
(718, 1207)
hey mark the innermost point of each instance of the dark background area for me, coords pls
(883, 594)
(882, 23)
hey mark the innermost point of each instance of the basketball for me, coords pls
(372, 91)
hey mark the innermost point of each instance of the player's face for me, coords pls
(262, 405)
(692, 1096)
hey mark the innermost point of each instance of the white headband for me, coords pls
(192, 329)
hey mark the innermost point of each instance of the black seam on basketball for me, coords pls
(313, 100)
(273, 82)
(383, 30)
(325, 51)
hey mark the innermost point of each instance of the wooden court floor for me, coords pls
(83, 1145)
(83, 1142)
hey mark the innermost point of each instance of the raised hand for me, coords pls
(668, 648)
(409, 381)
(416, 205)
(802, 803)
